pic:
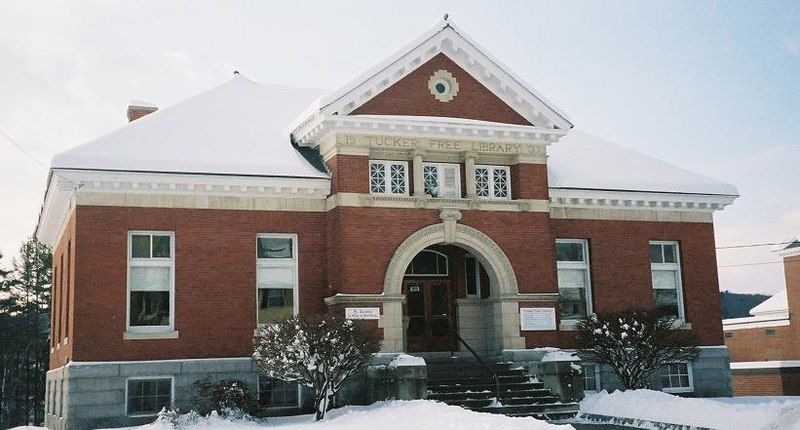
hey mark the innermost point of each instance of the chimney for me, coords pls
(138, 109)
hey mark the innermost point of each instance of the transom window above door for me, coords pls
(428, 263)
(442, 179)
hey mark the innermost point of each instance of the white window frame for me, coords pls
(477, 294)
(578, 265)
(280, 263)
(674, 267)
(147, 378)
(492, 190)
(279, 408)
(440, 177)
(151, 262)
(596, 377)
(387, 176)
(675, 390)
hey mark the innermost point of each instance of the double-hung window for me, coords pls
(574, 285)
(591, 377)
(388, 177)
(492, 182)
(666, 273)
(677, 378)
(147, 396)
(442, 179)
(276, 277)
(151, 281)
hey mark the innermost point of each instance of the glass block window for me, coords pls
(151, 271)
(148, 396)
(276, 277)
(591, 377)
(666, 275)
(574, 286)
(442, 179)
(428, 263)
(274, 393)
(388, 177)
(677, 378)
(492, 182)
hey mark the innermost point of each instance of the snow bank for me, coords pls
(724, 414)
(560, 356)
(403, 360)
(390, 415)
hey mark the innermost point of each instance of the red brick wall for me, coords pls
(620, 267)
(529, 181)
(62, 297)
(791, 270)
(350, 173)
(754, 344)
(215, 294)
(411, 96)
(766, 382)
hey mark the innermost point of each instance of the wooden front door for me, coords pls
(430, 314)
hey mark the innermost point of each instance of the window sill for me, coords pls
(683, 390)
(136, 335)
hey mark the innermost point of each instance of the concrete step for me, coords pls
(487, 394)
(456, 387)
(478, 379)
(507, 402)
(537, 408)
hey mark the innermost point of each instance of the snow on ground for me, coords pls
(745, 413)
(390, 415)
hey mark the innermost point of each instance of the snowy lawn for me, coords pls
(745, 413)
(390, 415)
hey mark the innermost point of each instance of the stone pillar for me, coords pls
(469, 173)
(419, 181)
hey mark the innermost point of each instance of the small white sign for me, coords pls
(362, 313)
(537, 319)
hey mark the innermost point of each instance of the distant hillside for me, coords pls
(738, 305)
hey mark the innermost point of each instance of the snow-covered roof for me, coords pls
(236, 128)
(777, 304)
(583, 161)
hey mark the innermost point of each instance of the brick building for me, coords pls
(765, 347)
(435, 192)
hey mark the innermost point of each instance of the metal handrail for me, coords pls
(480, 360)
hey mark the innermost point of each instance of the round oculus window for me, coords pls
(443, 86)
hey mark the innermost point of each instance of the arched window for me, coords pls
(428, 263)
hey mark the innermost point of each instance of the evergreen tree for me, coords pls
(24, 332)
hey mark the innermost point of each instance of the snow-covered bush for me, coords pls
(317, 352)
(635, 344)
(230, 398)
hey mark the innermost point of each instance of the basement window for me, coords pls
(148, 396)
(275, 393)
(677, 378)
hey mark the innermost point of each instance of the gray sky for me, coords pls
(711, 87)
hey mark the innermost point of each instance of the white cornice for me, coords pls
(447, 39)
(64, 184)
(313, 132)
(633, 200)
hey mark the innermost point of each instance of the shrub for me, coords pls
(229, 397)
(635, 344)
(318, 352)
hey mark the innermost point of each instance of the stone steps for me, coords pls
(464, 382)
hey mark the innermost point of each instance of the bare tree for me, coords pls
(319, 352)
(635, 344)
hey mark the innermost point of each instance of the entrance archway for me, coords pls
(501, 316)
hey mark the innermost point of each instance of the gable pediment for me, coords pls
(446, 45)
(464, 96)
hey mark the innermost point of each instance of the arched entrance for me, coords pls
(500, 317)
